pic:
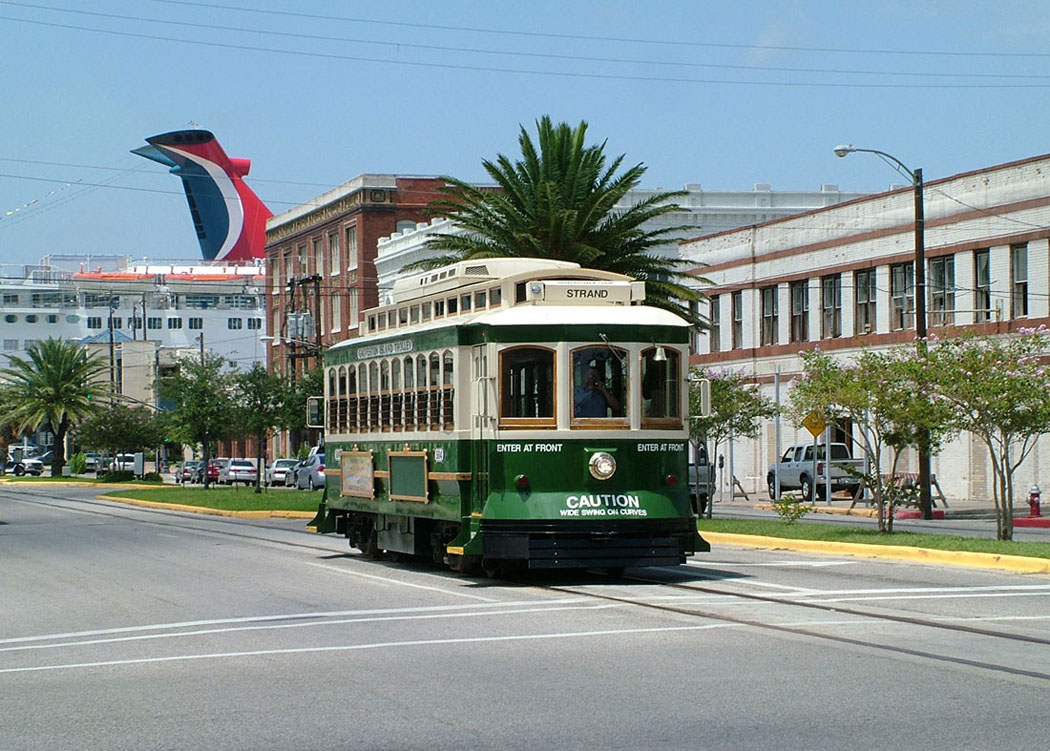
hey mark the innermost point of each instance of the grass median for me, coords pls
(224, 498)
(866, 536)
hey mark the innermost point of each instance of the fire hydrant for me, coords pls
(1033, 501)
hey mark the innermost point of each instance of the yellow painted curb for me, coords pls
(270, 514)
(1016, 563)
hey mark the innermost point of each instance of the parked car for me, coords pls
(188, 472)
(278, 472)
(215, 468)
(800, 469)
(310, 473)
(91, 460)
(238, 470)
(118, 463)
(28, 466)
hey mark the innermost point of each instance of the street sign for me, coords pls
(814, 423)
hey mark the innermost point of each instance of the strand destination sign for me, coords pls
(586, 292)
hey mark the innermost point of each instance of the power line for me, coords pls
(595, 38)
(401, 44)
(521, 71)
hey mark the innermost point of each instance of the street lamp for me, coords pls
(925, 497)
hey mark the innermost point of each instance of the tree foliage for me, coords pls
(998, 389)
(122, 429)
(556, 201)
(887, 396)
(205, 398)
(260, 397)
(737, 407)
(55, 384)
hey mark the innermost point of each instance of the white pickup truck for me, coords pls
(799, 470)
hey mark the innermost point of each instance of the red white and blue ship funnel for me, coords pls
(229, 218)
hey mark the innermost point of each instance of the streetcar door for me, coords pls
(482, 425)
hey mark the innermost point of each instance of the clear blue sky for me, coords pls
(316, 92)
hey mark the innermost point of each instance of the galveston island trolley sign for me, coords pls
(385, 349)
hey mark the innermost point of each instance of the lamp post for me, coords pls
(925, 497)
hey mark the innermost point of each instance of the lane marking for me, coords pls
(959, 596)
(314, 624)
(374, 645)
(387, 580)
(283, 617)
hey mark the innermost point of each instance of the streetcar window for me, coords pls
(402, 316)
(435, 391)
(415, 314)
(371, 323)
(380, 320)
(599, 379)
(464, 303)
(661, 384)
(427, 307)
(410, 397)
(527, 383)
(452, 306)
(479, 300)
(421, 392)
(448, 391)
(439, 308)
(519, 292)
(385, 411)
(495, 296)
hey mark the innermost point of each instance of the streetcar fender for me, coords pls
(468, 541)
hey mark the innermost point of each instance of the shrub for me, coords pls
(791, 508)
(78, 463)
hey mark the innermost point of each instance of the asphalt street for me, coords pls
(132, 628)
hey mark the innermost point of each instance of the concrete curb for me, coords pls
(1015, 563)
(267, 514)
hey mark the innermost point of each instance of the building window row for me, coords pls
(898, 295)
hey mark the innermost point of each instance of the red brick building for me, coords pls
(320, 260)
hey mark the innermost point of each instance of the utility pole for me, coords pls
(112, 349)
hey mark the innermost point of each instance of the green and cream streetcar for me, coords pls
(513, 413)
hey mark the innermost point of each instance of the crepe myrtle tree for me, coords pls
(886, 395)
(998, 388)
(737, 408)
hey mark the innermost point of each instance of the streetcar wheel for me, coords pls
(464, 564)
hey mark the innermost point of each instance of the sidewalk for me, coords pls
(972, 518)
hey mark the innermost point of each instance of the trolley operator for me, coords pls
(592, 399)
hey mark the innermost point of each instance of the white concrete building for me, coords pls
(841, 278)
(705, 211)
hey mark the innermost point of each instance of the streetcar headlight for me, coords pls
(602, 465)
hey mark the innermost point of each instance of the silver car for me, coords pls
(310, 473)
(278, 473)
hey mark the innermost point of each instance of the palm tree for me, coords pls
(557, 202)
(54, 384)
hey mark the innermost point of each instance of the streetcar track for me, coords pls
(106, 509)
(808, 632)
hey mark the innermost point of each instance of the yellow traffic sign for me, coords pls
(814, 423)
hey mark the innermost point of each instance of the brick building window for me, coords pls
(737, 313)
(982, 282)
(714, 336)
(831, 306)
(1019, 280)
(800, 311)
(902, 296)
(942, 291)
(864, 289)
(770, 318)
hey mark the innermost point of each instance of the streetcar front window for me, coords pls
(599, 383)
(661, 386)
(526, 386)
